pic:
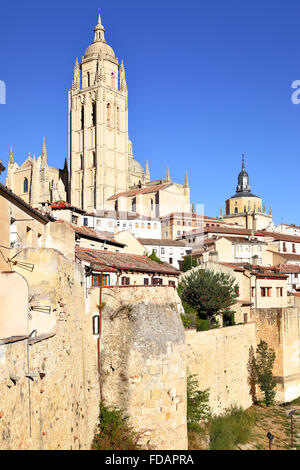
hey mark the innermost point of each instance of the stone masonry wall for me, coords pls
(219, 359)
(143, 361)
(280, 328)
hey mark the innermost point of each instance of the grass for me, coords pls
(232, 428)
(238, 429)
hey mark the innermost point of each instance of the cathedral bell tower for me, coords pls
(99, 146)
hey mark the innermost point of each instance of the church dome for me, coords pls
(135, 167)
(99, 47)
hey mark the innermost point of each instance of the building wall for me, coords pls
(58, 407)
(219, 359)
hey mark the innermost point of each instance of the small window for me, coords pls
(96, 280)
(279, 291)
(25, 186)
(125, 281)
(146, 281)
(172, 283)
(85, 221)
(157, 281)
(163, 251)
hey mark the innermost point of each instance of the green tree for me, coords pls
(262, 365)
(209, 293)
(154, 257)
(197, 403)
(188, 263)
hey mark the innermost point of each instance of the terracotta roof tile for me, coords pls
(104, 260)
(133, 192)
(161, 242)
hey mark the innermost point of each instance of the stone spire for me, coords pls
(186, 182)
(168, 179)
(99, 30)
(44, 151)
(122, 84)
(147, 172)
(76, 79)
(11, 156)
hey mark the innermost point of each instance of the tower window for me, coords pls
(81, 162)
(94, 159)
(108, 114)
(25, 186)
(88, 79)
(112, 79)
(82, 117)
(94, 113)
(118, 117)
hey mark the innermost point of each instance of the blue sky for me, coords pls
(208, 80)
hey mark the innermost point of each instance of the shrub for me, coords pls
(230, 429)
(154, 257)
(197, 403)
(202, 325)
(262, 367)
(114, 432)
(188, 263)
(187, 322)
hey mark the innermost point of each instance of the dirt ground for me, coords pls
(275, 420)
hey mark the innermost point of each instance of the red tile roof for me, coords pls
(289, 256)
(90, 233)
(161, 242)
(259, 271)
(133, 192)
(58, 205)
(103, 260)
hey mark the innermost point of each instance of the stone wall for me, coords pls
(280, 328)
(143, 361)
(219, 359)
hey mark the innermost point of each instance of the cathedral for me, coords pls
(101, 161)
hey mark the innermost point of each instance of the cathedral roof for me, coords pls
(133, 192)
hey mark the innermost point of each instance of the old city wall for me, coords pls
(219, 360)
(143, 360)
(280, 328)
(49, 385)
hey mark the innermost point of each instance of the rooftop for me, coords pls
(115, 262)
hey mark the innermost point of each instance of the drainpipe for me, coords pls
(99, 336)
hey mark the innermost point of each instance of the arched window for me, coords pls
(25, 186)
(235, 210)
(82, 117)
(108, 114)
(88, 79)
(94, 113)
